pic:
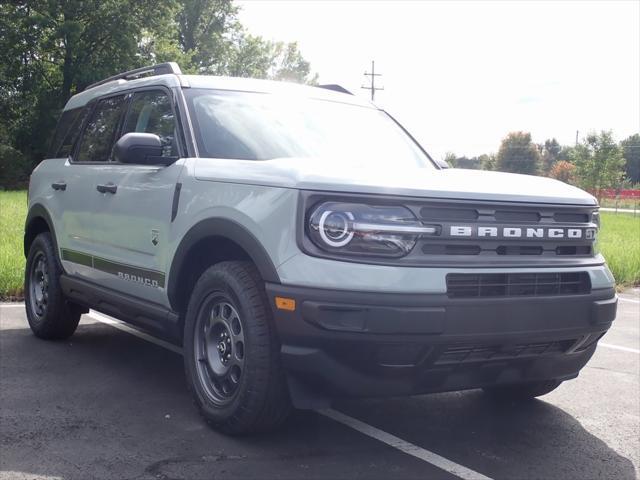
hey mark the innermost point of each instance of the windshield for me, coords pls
(258, 126)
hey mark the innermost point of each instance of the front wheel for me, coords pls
(50, 315)
(231, 351)
(522, 391)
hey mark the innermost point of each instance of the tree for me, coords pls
(599, 162)
(487, 161)
(518, 154)
(563, 171)
(631, 153)
(208, 38)
(50, 50)
(549, 152)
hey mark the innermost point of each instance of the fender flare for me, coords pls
(229, 230)
(36, 211)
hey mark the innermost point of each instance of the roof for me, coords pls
(214, 82)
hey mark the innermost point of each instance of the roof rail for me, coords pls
(335, 88)
(160, 69)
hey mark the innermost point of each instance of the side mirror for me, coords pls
(141, 149)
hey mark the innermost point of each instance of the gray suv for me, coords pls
(301, 246)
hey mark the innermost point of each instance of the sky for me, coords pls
(460, 75)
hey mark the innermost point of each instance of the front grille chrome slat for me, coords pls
(463, 285)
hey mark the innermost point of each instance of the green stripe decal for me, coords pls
(142, 276)
(77, 257)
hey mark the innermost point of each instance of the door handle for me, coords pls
(61, 185)
(108, 188)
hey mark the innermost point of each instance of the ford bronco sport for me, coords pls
(302, 246)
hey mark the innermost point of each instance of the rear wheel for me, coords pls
(522, 391)
(49, 314)
(231, 351)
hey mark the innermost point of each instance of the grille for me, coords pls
(491, 226)
(463, 285)
(456, 354)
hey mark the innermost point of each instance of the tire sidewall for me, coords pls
(218, 281)
(42, 243)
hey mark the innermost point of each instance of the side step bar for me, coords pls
(152, 317)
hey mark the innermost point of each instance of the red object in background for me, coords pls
(620, 194)
(630, 194)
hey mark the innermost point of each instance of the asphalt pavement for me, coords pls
(108, 404)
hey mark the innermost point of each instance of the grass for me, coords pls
(619, 242)
(13, 210)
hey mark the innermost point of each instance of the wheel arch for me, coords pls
(38, 221)
(232, 241)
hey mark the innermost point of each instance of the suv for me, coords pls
(301, 246)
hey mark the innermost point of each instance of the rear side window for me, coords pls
(67, 132)
(151, 112)
(97, 141)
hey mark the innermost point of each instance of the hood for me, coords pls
(314, 174)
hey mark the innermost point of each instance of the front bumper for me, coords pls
(362, 344)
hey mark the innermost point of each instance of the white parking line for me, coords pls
(628, 300)
(12, 305)
(126, 328)
(618, 347)
(370, 431)
(404, 446)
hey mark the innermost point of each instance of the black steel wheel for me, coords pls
(49, 314)
(219, 348)
(232, 351)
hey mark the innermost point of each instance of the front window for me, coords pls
(258, 126)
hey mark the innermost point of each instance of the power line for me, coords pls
(373, 76)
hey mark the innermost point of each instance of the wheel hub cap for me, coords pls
(219, 349)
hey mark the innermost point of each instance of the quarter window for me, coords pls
(151, 112)
(97, 142)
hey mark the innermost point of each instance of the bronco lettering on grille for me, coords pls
(522, 232)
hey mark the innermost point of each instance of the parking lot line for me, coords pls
(368, 430)
(628, 300)
(126, 328)
(404, 446)
(618, 347)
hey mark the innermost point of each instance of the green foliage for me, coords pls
(518, 154)
(483, 162)
(599, 162)
(52, 50)
(549, 151)
(631, 153)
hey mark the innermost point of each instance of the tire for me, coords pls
(232, 353)
(50, 316)
(519, 392)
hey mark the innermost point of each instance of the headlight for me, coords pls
(358, 229)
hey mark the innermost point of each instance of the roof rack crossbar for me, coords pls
(160, 69)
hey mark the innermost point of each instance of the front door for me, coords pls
(132, 204)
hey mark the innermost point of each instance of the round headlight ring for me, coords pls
(339, 233)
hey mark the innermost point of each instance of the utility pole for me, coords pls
(577, 131)
(373, 76)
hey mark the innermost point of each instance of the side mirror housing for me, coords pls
(141, 149)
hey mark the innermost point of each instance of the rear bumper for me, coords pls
(340, 343)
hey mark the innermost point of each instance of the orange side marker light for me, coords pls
(283, 303)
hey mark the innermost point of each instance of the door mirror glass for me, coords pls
(141, 149)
